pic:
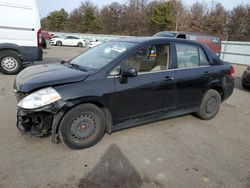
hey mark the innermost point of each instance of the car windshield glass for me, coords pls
(101, 55)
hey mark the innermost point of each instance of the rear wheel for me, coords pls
(59, 43)
(10, 62)
(79, 44)
(82, 127)
(210, 105)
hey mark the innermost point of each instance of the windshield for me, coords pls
(101, 55)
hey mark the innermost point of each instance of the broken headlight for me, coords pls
(39, 98)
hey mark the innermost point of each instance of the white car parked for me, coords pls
(92, 44)
(68, 41)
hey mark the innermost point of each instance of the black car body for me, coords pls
(246, 78)
(122, 93)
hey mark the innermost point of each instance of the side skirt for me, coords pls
(152, 118)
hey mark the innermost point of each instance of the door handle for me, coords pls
(206, 73)
(168, 78)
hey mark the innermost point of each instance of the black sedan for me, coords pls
(120, 84)
(246, 78)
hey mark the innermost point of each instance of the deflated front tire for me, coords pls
(83, 126)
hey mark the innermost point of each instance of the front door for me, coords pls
(151, 92)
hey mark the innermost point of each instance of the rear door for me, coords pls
(74, 41)
(67, 41)
(193, 74)
(152, 91)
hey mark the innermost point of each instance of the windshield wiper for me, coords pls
(78, 67)
(64, 62)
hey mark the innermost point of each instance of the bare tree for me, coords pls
(239, 23)
(196, 17)
(111, 18)
(134, 16)
(180, 14)
(216, 21)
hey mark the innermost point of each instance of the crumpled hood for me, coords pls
(39, 76)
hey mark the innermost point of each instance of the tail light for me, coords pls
(232, 72)
(39, 38)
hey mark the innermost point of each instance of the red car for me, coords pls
(213, 42)
(46, 35)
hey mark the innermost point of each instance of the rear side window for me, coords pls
(190, 56)
(215, 40)
(203, 58)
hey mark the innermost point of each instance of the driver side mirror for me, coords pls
(127, 72)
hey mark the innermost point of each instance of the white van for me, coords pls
(20, 34)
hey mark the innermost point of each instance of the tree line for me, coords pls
(145, 18)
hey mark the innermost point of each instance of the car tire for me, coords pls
(10, 62)
(79, 44)
(245, 86)
(59, 43)
(210, 105)
(83, 126)
(44, 45)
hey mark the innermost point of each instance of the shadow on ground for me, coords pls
(114, 170)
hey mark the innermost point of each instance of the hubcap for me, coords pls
(9, 63)
(211, 105)
(82, 127)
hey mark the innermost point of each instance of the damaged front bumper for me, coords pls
(41, 122)
(34, 123)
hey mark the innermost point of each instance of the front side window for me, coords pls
(148, 59)
(190, 56)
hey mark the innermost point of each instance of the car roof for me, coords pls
(154, 39)
(190, 33)
(71, 36)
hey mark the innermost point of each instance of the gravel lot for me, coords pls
(179, 152)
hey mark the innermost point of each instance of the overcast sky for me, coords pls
(46, 6)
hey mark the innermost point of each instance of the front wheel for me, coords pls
(82, 127)
(59, 43)
(210, 105)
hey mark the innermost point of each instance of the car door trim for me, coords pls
(143, 73)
